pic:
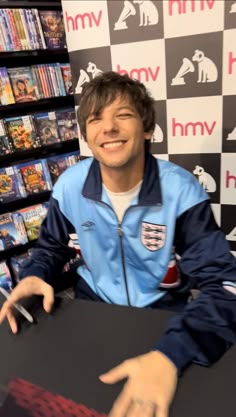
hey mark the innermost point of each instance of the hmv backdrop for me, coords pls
(184, 51)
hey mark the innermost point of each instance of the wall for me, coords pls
(185, 53)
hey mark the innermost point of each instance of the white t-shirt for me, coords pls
(121, 201)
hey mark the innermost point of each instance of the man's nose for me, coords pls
(110, 125)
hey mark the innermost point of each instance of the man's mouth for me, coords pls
(112, 145)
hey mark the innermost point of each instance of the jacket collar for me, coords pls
(150, 193)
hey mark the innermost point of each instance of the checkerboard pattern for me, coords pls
(184, 51)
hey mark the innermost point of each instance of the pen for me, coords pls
(20, 308)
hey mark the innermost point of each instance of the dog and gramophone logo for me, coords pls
(135, 20)
(86, 65)
(206, 169)
(230, 14)
(229, 124)
(159, 137)
(228, 224)
(194, 65)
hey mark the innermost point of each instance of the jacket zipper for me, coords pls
(120, 234)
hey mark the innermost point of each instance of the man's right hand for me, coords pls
(28, 287)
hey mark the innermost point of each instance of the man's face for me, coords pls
(116, 136)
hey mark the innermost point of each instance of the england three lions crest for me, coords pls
(153, 236)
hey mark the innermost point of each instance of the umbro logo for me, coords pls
(88, 226)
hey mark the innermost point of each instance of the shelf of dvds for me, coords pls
(37, 105)
(41, 152)
(38, 128)
(28, 201)
(40, 4)
(33, 57)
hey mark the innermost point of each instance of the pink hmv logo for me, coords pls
(83, 20)
(231, 62)
(192, 128)
(183, 6)
(141, 74)
(230, 180)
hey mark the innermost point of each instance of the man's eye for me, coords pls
(94, 119)
(124, 115)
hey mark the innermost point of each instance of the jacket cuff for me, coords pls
(177, 349)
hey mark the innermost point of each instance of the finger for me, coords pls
(19, 292)
(116, 374)
(12, 322)
(48, 299)
(148, 410)
(4, 311)
(136, 409)
(121, 405)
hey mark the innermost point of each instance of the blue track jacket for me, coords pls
(134, 263)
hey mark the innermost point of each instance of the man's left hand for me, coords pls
(150, 388)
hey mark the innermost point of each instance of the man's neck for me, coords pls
(119, 181)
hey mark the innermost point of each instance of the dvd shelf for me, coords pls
(38, 128)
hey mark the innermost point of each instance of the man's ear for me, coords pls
(148, 135)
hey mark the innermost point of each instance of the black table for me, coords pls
(66, 351)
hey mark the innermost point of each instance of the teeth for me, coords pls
(112, 145)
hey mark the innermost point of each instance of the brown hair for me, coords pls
(104, 89)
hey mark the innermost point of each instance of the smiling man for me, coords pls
(132, 214)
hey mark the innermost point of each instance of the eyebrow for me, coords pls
(125, 107)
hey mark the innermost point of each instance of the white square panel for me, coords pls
(144, 61)
(194, 125)
(83, 146)
(216, 208)
(86, 24)
(229, 62)
(165, 157)
(228, 178)
(186, 17)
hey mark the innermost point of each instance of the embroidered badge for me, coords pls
(153, 236)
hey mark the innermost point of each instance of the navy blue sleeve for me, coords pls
(207, 326)
(52, 250)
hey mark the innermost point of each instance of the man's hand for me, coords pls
(26, 288)
(150, 388)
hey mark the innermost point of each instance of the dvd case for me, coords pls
(67, 124)
(53, 28)
(35, 176)
(22, 132)
(23, 84)
(33, 217)
(67, 78)
(16, 263)
(5, 277)
(47, 129)
(5, 142)
(6, 93)
(11, 185)
(12, 231)
(59, 163)
(56, 165)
